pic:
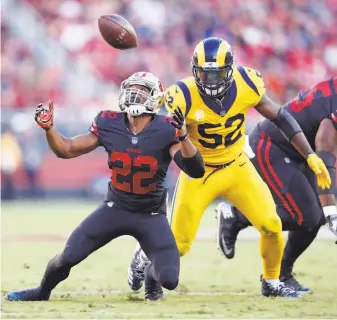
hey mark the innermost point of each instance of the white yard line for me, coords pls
(140, 315)
(167, 293)
(129, 314)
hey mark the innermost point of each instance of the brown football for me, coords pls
(117, 31)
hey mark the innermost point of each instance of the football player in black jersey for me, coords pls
(140, 146)
(302, 206)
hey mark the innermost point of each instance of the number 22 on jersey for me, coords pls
(127, 170)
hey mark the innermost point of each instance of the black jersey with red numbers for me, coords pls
(309, 108)
(139, 162)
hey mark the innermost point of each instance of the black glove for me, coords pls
(179, 123)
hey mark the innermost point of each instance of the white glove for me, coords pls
(330, 213)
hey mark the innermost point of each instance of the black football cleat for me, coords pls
(155, 294)
(153, 288)
(290, 281)
(278, 290)
(34, 294)
(136, 270)
(228, 229)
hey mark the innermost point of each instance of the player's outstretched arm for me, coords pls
(185, 154)
(289, 127)
(326, 148)
(63, 147)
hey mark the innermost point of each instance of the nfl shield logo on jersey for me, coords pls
(134, 140)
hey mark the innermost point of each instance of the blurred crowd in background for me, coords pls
(52, 49)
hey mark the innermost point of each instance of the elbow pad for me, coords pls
(329, 160)
(286, 124)
(193, 167)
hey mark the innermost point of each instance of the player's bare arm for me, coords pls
(326, 148)
(185, 154)
(63, 147)
(67, 148)
(291, 130)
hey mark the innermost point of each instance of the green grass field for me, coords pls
(210, 286)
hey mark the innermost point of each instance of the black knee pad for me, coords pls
(170, 285)
(169, 278)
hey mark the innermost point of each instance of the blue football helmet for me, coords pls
(212, 66)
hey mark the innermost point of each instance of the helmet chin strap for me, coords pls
(136, 110)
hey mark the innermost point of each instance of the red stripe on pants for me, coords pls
(298, 211)
(280, 183)
(269, 166)
(265, 174)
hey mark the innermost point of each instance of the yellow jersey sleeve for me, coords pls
(254, 80)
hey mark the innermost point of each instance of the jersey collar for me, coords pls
(222, 107)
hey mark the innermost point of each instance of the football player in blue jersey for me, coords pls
(302, 205)
(140, 145)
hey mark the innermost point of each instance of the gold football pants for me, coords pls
(240, 185)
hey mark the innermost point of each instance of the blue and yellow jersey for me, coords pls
(217, 128)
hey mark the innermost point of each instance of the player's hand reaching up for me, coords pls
(45, 117)
(317, 165)
(179, 123)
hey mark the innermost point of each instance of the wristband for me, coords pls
(329, 210)
(47, 129)
(183, 138)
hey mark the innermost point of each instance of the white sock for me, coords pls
(273, 282)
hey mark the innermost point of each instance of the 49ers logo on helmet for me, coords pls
(141, 74)
(161, 86)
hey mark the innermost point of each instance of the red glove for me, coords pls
(43, 117)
